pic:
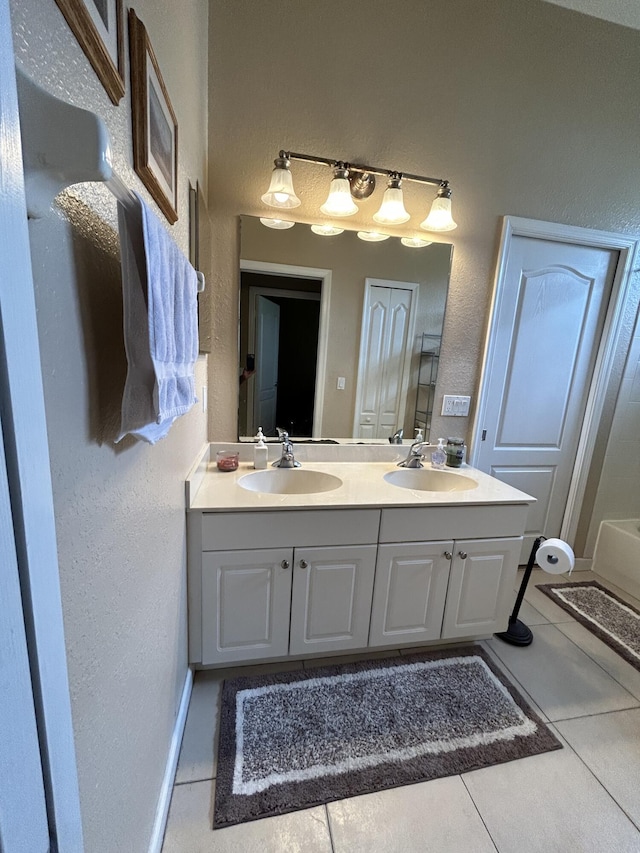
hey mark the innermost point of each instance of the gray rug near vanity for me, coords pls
(298, 739)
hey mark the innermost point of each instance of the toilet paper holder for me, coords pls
(519, 634)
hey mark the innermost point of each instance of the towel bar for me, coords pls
(62, 145)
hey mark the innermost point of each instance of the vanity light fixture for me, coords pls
(415, 242)
(373, 236)
(279, 224)
(357, 181)
(281, 193)
(339, 201)
(392, 210)
(327, 230)
(439, 218)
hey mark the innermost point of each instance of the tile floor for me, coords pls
(584, 798)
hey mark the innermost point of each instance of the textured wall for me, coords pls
(119, 510)
(502, 98)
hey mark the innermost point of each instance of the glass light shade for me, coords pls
(392, 210)
(326, 230)
(339, 201)
(415, 242)
(281, 193)
(439, 218)
(280, 224)
(373, 236)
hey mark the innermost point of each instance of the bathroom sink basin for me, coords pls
(427, 480)
(289, 481)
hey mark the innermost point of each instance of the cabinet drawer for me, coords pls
(449, 522)
(226, 531)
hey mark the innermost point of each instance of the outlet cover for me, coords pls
(455, 406)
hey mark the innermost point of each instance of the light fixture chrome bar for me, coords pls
(360, 167)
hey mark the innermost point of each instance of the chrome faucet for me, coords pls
(415, 455)
(397, 437)
(287, 459)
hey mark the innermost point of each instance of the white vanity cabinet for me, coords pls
(445, 588)
(410, 592)
(481, 586)
(290, 593)
(331, 598)
(275, 580)
(246, 597)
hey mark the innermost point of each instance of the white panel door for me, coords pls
(409, 593)
(331, 598)
(245, 604)
(23, 813)
(481, 586)
(549, 325)
(266, 377)
(385, 351)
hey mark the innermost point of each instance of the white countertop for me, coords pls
(363, 486)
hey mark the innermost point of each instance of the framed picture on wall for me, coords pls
(98, 28)
(155, 127)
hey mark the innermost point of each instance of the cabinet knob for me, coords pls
(462, 555)
(285, 564)
(447, 555)
(303, 564)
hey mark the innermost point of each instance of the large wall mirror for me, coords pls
(338, 337)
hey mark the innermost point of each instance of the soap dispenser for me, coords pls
(419, 435)
(439, 456)
(260, 451)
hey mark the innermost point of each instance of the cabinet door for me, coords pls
(410, 592)
(245, 604)
(481, 586)
(331, 598)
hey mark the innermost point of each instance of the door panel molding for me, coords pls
(613, 326)
(391, 310)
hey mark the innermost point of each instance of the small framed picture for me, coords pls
(98, 28)
(155, 127)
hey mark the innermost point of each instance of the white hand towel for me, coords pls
(159, 288)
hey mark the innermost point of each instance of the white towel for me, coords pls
(159, 288)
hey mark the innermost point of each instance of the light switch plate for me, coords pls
(341, 383)
(454, 405)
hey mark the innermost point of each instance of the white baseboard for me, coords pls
(164, 800)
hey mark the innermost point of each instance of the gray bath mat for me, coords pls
(298, 739)
(610, 618)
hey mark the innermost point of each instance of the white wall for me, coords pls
(119, 510)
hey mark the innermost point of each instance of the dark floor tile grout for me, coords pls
(599, 714)
(518, 684)
(597, 663)
(475, 805)
(326, 812)
(567, 744)
(193, 781)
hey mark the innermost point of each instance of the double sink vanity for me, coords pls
(346, 553)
